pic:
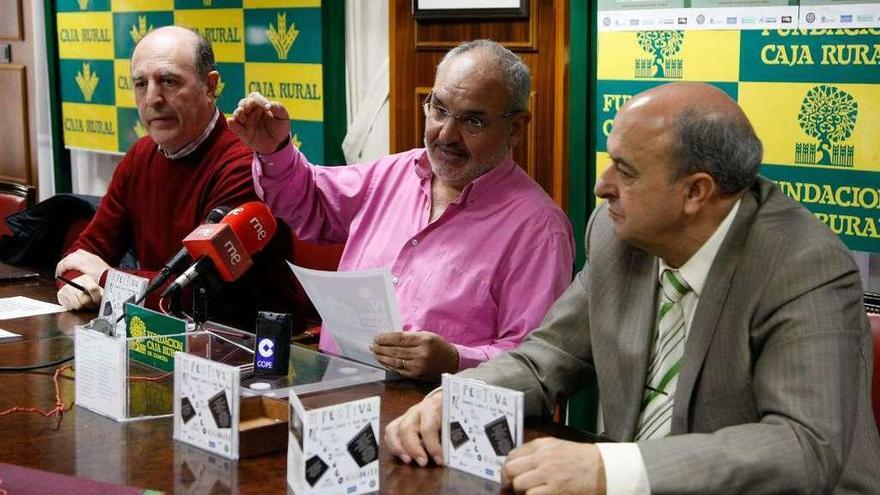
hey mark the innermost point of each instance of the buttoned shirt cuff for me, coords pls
(625, 471)
(469, 357)
(272, 165)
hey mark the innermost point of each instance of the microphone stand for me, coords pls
(174, 304)
(200, 303)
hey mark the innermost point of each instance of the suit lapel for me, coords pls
(708, 311)
(635, 325)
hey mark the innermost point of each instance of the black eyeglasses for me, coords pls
(472, 124)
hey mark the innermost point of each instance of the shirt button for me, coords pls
(394, 280)
(414, 242)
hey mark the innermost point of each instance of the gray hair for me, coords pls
(722, 145)
(517, 77)
(204, 57)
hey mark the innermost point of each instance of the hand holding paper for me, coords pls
(415, 354)
(355, 307)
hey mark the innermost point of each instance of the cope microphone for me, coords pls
(225, 248)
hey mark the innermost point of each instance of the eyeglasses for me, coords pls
(472, 124)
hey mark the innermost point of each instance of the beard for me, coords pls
(465, 173)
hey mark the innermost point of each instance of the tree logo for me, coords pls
(662, 46)
(87, 81)
(282, 38)
(138, 32)
(138, 328)
(828, 114)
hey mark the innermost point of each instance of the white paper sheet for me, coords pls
(354, 307)
(100, 373)
(22, 307)
(7, 335)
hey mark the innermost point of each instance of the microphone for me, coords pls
(253, 223)
(225, 248)
(182, 258)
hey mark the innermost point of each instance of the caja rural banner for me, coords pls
(271, 46)
(813, 97)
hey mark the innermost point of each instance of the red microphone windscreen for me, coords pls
(254, 225)
(220, 243)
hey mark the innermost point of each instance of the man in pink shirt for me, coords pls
(477, 251)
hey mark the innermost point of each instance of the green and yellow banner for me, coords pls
(813, 97)
(271, 46)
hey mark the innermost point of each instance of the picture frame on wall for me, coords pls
(466, 9)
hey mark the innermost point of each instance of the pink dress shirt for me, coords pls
(482, 275)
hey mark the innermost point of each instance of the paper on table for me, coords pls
(7, 335)
(354, 307)
(22, 307)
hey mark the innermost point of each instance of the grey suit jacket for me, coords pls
(773, 393)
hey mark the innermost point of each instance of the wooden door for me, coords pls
(18, 136)
(541, 39)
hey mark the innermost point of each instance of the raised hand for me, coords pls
(261, 124)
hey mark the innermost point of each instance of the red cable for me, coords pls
(58, 410)
(150, 378)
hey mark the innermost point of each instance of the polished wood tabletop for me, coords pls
(143, 454)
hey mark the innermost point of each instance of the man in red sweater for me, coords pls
(169, 181)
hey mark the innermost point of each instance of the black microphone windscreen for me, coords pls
(217, 214)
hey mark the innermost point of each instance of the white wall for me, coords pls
(367, 86)
(90, 172)
(45, 167)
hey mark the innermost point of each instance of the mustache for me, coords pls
(451, 148)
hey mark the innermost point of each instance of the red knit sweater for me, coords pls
(152, 203)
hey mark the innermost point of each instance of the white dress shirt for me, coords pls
(625, 471)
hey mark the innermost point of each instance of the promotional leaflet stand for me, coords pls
(132, 378)
(334, 449)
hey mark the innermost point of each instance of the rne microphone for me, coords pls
(253, 223)
(182, 258)
(226, 247)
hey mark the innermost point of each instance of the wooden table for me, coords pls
(143, 454)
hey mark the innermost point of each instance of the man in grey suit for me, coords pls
(724, 323)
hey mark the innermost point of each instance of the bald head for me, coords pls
(169, 38)
(679, 96)
(174, 85)
(703, 130)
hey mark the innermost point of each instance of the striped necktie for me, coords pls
(669, 338)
